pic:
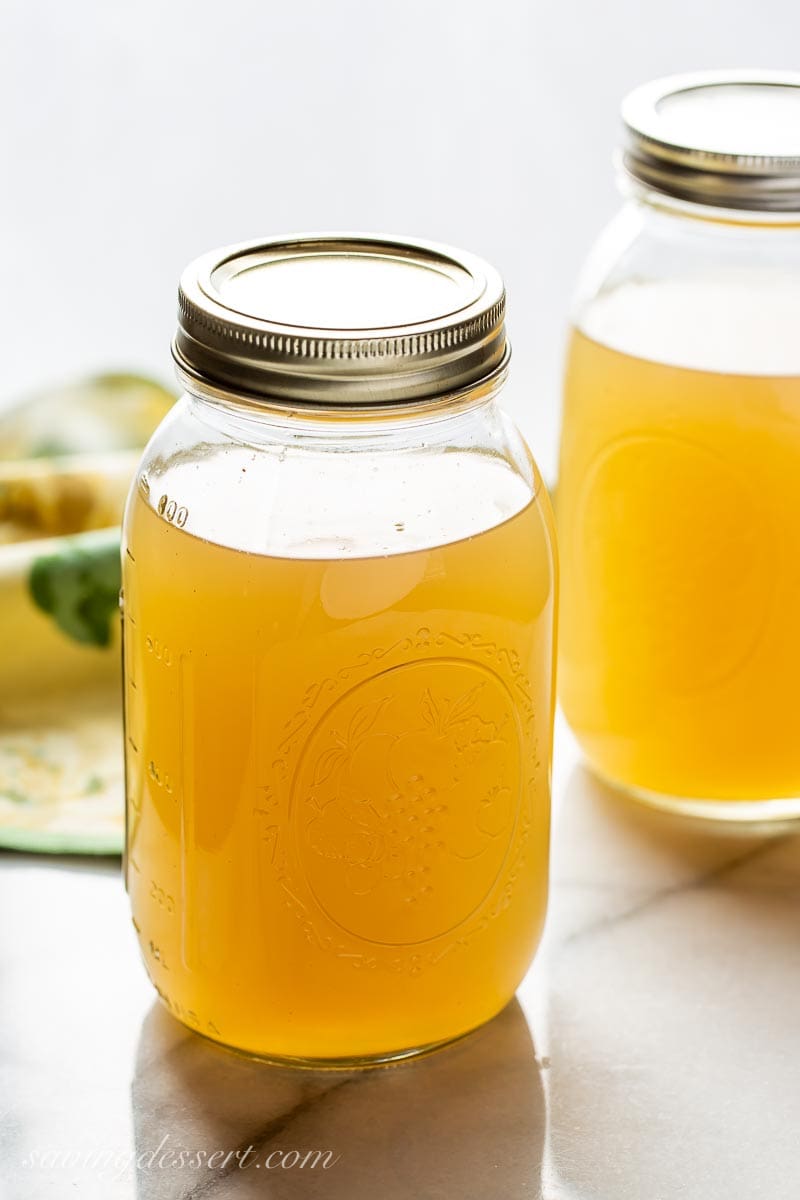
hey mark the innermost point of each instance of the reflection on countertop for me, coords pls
(663, 1010)
(673, 1031)
(466, 1121)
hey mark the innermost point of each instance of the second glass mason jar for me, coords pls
(679, 488)
(339, 584)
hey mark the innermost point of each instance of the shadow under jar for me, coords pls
(339, 584)
(679, 489)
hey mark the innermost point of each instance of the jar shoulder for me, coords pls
(274, 488)
(688, 292)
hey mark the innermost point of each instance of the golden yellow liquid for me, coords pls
(338, 784)
(679, 525)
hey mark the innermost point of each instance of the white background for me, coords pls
(135, 136)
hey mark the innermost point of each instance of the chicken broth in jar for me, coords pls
(339, 668)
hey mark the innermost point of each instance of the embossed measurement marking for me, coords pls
(173, 512)
(160, 778)
(159, 650)
(162, 897)
(187, 1015)
(157, 954)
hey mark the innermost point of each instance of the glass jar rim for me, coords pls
(440, 405)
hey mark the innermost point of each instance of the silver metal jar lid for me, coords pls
(725, 138)
(339, 319)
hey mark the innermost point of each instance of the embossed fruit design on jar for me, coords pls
(339, 588)
(416, 805)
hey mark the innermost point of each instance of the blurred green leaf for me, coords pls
(79, 588)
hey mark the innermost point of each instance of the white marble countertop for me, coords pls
(653, 1051)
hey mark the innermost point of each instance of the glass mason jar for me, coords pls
(339, 583)
(679, 488)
